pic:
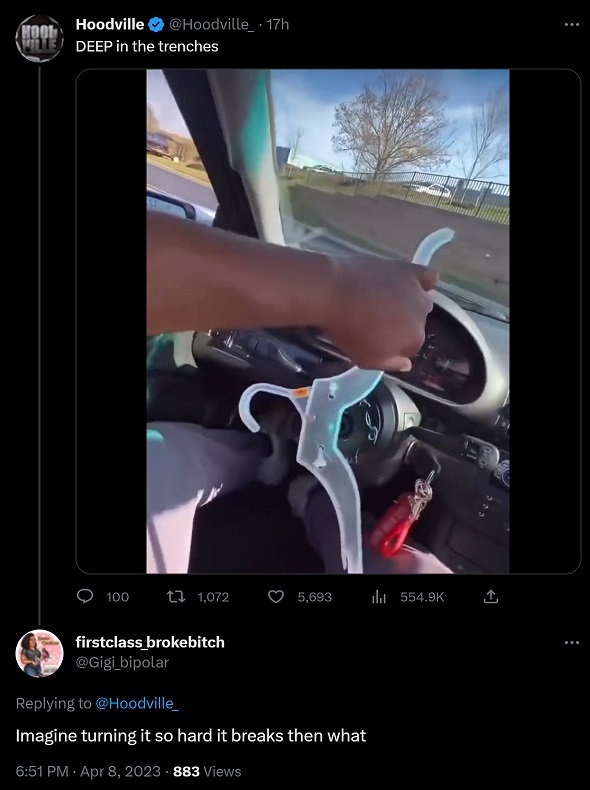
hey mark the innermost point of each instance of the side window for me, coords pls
(174, 166)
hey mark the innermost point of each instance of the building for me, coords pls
(283, 155)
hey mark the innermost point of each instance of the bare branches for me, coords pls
(489, 137)
(294, 144)
(401, 123)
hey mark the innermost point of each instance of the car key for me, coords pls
(392, 529)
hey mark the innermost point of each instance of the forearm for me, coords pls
(202, 278)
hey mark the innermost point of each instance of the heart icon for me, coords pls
(276, 595)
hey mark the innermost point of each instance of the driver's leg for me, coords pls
(187, 467)
(311, 502)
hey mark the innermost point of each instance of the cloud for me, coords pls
(162, 102)
(298, 105)
(462, 114)
(295, 109)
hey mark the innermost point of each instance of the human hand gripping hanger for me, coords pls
(321, 407)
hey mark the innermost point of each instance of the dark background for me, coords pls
(311, 666)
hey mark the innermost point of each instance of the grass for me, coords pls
(326, 182)
(195, 170)
(301, 212)
(336, 182)
(499, 294)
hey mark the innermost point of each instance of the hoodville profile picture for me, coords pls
(39, 38)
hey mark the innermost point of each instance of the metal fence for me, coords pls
(483, 199)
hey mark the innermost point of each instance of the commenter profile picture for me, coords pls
(39, 39)
(39, 653)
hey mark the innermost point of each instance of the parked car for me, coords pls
(435, 191)
(157, 145)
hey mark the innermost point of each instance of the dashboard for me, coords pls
(463, 366)
(455, 401)
(459, 375)
(457, 372)
(449, 363)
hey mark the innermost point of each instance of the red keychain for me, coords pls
(393, 527)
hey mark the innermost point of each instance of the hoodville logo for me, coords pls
(39, 39)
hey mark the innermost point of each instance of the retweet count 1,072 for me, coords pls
(213, 597)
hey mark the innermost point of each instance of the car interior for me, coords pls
(449, 414)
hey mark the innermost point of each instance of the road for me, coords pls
(189, 189)
(166, 180)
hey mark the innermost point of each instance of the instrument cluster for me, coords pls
(449, 363)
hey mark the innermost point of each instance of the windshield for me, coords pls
(378, 160)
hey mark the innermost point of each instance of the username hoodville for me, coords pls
(150, 642)
(110, 24)
(129, 23)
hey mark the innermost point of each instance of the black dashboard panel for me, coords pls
(456, 369)
(468, 526)
(450, 364)
(455, 375)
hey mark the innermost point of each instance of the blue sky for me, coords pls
(306, 99)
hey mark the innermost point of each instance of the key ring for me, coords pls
(423, 488)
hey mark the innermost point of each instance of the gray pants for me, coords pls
(188, 466)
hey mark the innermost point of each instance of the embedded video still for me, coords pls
(328, 322)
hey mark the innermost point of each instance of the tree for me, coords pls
(489, 137)
(152, 122)
(401, 123)
(294, 145)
